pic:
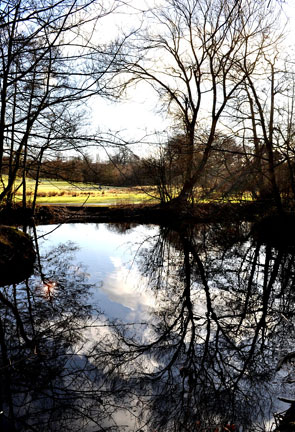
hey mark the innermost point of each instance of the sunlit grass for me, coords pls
(62, 192)
(234, 199)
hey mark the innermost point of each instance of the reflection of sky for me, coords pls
(108, 256)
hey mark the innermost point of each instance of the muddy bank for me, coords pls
(156, 214)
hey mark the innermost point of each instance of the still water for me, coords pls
(109, 258)
(141, 328)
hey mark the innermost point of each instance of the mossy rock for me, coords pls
(17, 255)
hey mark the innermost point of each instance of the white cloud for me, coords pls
(128, 287)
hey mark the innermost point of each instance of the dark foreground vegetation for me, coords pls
(141, 213)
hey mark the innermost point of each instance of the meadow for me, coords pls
(63, 192)
(67, 193)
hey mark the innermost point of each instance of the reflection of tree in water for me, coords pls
(208, 358)
(121, 227)
(46, 383)
(210, 352)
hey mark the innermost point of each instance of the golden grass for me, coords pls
(62, 192)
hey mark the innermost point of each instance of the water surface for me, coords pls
(141, 328)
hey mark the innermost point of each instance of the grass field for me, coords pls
(62, 192)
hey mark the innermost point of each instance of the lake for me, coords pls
(126, 327)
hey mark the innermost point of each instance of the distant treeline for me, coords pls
(231, 170)
(113, 172)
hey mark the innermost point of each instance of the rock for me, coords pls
(17, 255)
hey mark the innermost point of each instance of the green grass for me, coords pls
(62, 192)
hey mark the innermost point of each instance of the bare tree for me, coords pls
(260, 109)
(193, 53)
(45, 66)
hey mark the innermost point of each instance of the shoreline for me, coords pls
(138, 213)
